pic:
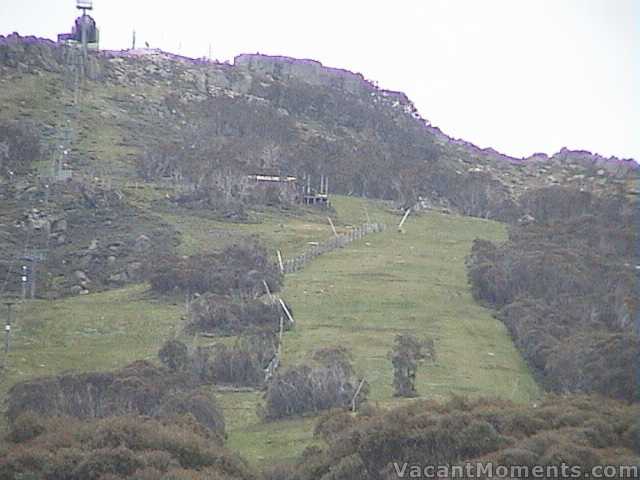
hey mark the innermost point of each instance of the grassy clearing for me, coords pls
(95, 332)
(360, 297)
(387, 284)
(291, 232)
(260, 442)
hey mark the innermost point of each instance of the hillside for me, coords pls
(132, 182)
(132, 95)
(192, 130)
(359, 297)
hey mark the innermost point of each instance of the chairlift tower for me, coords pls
(84, 5)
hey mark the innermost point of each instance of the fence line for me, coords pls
(298, 263)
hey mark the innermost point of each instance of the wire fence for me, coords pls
(298, 263)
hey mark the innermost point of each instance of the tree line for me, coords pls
(566, 286)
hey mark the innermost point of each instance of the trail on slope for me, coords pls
(361, 297)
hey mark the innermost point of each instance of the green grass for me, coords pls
(291, 232)
(360, 297)
(95, 332)
(259, 441)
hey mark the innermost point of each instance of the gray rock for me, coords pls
(80, 276)
(119, 278)
(526, 220)
(142, 244)
(59, 226)
(134, 270)
(76, 290)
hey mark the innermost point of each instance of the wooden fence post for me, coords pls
(286, 310)
(404, 218)
(280, 261)
(332, 226)
(355, 396)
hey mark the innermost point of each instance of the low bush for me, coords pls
(225, 316)
(121, 448)
(470, 430)
(244, 363)
(330, 383)
(240, 269)
(140, 388)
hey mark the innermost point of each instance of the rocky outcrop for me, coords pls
(309, 71)
(30, 53)
(88, 238)
(158, 83)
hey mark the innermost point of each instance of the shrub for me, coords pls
(122, 447)
(199, 404)
(478, 438)
(174, 355)
(27, 426)
(278, 472)
(571, 454)
(517, 456)
(118, 461)
(226, 316)
(348, 468)
(427, 433)
(239, 269)
(406, 353)
(20, 147)
(633, 436)
(303, 388)
(245, 362)
(140, 388)
(332, 424)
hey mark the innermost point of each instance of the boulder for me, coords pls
(81, 276)
(59, 226)
(119, 278)
(76, 290)
(134, 270)
(142, 244)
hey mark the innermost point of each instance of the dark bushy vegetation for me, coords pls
(174, 355)
(239, 269)
(330, 383)
(128, 447)
(244, 363)
(139, 389)
(224, 139)
(241, 135)
(475, 194)
(566, 287)
(241, 364)
(226, 316)
(405, 355)
(19, 148)
(578, 430)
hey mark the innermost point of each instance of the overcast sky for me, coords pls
(521, 76)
